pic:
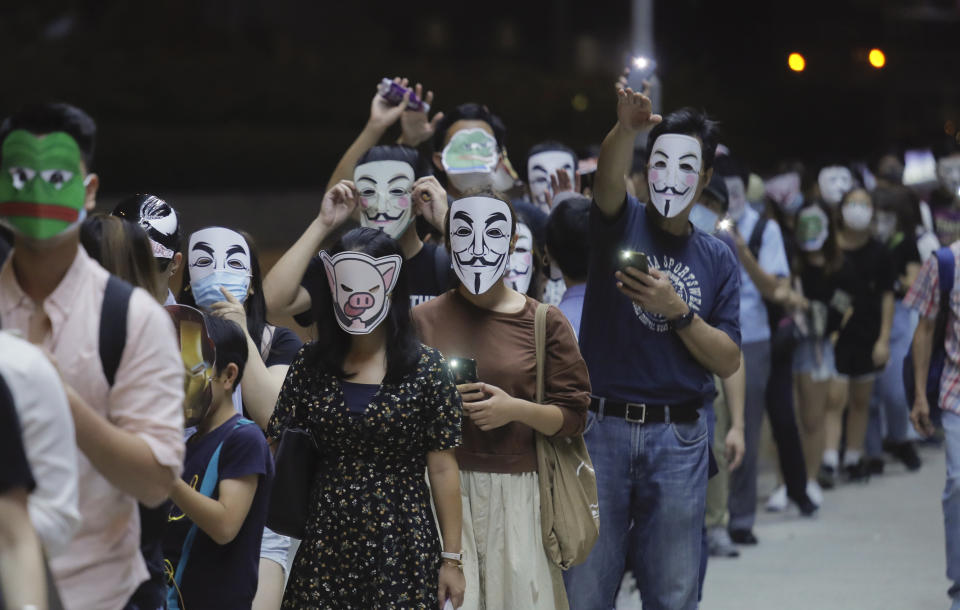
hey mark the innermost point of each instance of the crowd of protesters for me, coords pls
(529, 393)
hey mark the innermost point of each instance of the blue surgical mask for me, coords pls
(704, 218)
(206, 290)
(796, 202)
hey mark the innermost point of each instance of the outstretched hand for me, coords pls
(635, 111)
(417, 129)
(382, 114)
(430, 200)
(338, 204)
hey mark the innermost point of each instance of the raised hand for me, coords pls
(382, 114)
(560, 183)
(635, 110)
(338, 204)
(430, 200)
(416, 128)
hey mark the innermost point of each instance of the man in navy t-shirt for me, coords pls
(652, 342)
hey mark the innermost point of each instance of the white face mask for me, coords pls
(673, 173)
(784, 189)
(885, 224)
(704, 218)
(543, 165)
(948, 173)
(480, 232)
(385, 201)
(362, 287)
(520, 267)
(470, 158)
(737, 196)
(857, 216)
(834, 182)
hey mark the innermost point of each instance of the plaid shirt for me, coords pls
(924, 297)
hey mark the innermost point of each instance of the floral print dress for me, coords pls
(370, 539)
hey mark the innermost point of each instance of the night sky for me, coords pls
(233, 94)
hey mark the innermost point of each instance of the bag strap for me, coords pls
(113, 325)
(211, 476)
(756, 237)
(540, 339)
(266, 341)
(945, 276)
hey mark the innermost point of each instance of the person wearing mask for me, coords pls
(212, 540)
(224, 278)
(863, 345)
(53, 293)
(485, 320)
(544, 162)
(945, 201)
(384, 409)
(895, 225)
(764, 280)
(653, 340)
(162, 224)
(23, 583)
(568, 246)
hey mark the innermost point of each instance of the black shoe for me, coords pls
(906, 452)
(827, 477)
(806, 505)
(858, 473)
(875, 465)
(743, 537)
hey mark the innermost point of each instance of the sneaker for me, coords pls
(827, 477)
(743, 537)
(719, 543)
(906, 452)
(815, 493)
(778, 500)
(857, 473)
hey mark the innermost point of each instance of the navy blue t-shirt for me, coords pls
(223, 576)
(632, 354)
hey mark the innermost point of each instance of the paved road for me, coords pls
(874, 546)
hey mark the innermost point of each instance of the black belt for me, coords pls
(642, 413)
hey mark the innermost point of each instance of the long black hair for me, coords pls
(330, 349)
(255, 305)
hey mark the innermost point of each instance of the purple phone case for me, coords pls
(393, 93)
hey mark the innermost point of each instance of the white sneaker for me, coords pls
(814, 492)
(778, 500)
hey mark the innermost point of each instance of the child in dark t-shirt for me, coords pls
(219, 507)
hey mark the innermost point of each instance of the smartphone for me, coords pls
(464, 370)
(632, 258)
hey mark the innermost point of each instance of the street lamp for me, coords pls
(796, 62)
(876, 58)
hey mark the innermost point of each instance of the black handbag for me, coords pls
(295, 465)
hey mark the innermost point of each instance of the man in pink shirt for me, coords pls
(130, 431)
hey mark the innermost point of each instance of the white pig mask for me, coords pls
(520, 268)
(480, 233)
(362, 288)
(385, 195)
(676, 161)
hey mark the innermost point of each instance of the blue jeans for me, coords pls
(951, 502)
(654, 475)
(889, 411)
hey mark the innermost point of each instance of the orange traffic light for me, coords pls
(876, 58)
(796, 62)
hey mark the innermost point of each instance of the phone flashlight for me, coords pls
(725, 225)
(641, 62)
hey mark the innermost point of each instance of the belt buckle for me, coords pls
(643, 413)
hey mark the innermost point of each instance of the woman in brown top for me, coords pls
(485, 320)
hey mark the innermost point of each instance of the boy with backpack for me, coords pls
(215, 525)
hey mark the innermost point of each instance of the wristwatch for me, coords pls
(682, 322)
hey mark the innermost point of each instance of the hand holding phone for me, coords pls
(632, 258)
(464, 370)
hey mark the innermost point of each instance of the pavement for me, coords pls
(872, 546)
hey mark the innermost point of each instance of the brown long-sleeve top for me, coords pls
(503, 346)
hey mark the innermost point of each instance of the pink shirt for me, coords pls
(102, 566)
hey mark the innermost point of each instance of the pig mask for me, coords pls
(362, 287)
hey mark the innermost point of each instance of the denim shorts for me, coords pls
(806, 360)
(275, 547)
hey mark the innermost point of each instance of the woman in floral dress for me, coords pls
(382, 408)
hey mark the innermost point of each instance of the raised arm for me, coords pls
(281, 287)
(634, 114)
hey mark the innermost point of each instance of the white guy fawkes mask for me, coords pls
(737, 196)
(362, 287)
(948, 173)
(470, 158)
(673, 172)
(480, 230)
(218, 257)
(541, 166)
(834, 181)
(385, 201)
(520, 267)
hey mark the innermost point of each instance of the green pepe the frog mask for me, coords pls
(42, 187)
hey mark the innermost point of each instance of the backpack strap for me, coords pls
(945, 275)
(113, 325)
(211, 476)
(756, 237)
